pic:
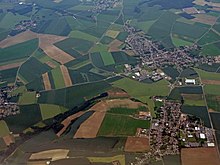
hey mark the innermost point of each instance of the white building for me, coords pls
(190, 81)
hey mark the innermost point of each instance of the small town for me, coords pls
(7, 108)
(153, 55)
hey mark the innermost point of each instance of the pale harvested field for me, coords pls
(206, 19)
(137, 144)
(46, 42)
(199, 156)
(37, 162)
(22, 37)
(211, 82)
(114, 46)
(112, 33)
(55, 154)
(51, 64)
(203, 3)
(66, 76)
(117, 94)
(68, 121)
(190, 10)
(10, 66)
(46, 81)
(90, 128)
(9, 139)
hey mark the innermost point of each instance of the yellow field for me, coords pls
(119, 158)
(55, 154)
(112, 33)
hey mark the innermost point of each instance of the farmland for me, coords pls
(112, 125)
(83, 70)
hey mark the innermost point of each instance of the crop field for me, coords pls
(27, 98)
(48, 110)
(179, 41)
(215, 117)
(172, 72)
(172, 160)
(210, 68)
(209, 37)
(191, 31)
(207, 75)
(112, 33)
(137, 89)
(8, 75)
(189, 73)
(137, 144)
(178, 91)
(4, 129)
(18, 51)
(199, 111)
(161, 29)
(82, 35)
(46, 81)
(107, 58)
(72, 96)
(126, 111)
(28, 116)
(211, 49)
(213, 102)
(97, 59)
(212, 89)
(66, 76)
(58, 78)
(77, 44)
(118, 125)
(106, 160)
(32, 69)
(201, 156)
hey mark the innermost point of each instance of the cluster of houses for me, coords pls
(102, 5)
(25, 25)
(7, 108)
(171, 130)
(154, 55)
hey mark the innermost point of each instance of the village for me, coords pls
(172, 130)
(155, 57)
(7, 108)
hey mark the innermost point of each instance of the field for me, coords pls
(198, 111)
(82, 35)
(58, 78)
(137, 89)
(97, 117)
(27, 98)
(120, 158)
(66, 76)
(50, 110)
(201, 156)
(137, 144)
(118, 125)
(4, 129)
(215, 120)
(46, 81)
(208, 75)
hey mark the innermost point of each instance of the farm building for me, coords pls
(190, 81)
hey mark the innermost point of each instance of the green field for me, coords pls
(27, 98)
(118, 125)
(49, 110)
(82, 35)
(211, 49)
(58, 78)
(213, 102)
(18, 51)
(138, 89)
(204, 75)
(4, 129)
(126, 111)
(107, 58)
(180, 42)
(212, 89)
(209, 37)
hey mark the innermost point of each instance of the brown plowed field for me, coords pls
(137, 144)
(199, 156)
(9, 139)
(114, 46)
(22, 37)
(211, 82)
(46, 42)
(67, 122)
(46, 81)
(90, 128)
(51, 64)
(206, 19)
(66, 76)
(10, 66)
